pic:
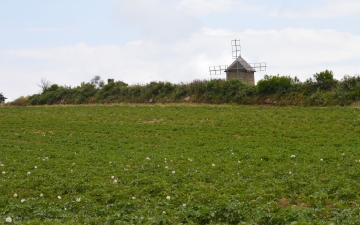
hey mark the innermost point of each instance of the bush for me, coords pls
(274, 84)
(198, 89)
(325, 80)
(21, 101)
(320, 90)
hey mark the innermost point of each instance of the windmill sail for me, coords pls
(239, 69)
(217, 70)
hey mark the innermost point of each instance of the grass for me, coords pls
(218, 164)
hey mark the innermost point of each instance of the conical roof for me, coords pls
(240, 65)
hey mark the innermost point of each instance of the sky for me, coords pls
(71, 41)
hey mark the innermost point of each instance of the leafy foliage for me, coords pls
(321, 90)
(325, 80)
(2, 98)
(274, 84)
(218, 164)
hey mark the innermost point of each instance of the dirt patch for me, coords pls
(283, 202)
(154, 121)
(356, 104)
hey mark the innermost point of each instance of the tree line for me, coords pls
(320, 90)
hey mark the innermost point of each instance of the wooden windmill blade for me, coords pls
(236, 48)
(217, 70)
(258, 66)
(239, 69)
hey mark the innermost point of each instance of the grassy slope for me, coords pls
(250, 147)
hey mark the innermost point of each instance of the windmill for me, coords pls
(239, 69)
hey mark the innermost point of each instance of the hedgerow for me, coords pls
(320, 90)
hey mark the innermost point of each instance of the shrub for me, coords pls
(180, 91)
(198, 89)
(274, 84)
(21, 101)
(324, 80)
(231, 88)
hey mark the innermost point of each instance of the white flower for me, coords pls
(59, 197)
(1, 164)
(166, 167)
(112, 177)
(3, 172)
(133, 198)
(165, 159)
(184, 205)
(73, 163)
(168, 197)
(173, 172)
(213, 164)
(292, 156)
(164, 212)
(41, 195)
(290, 172)
(342, 154)
(110, 162)
(35, 167)
(8, 220)
(239, 161)
(321, 160)
(28, 173)
(115, 181)
(15, 195)
(147, 158)
(78, 199)
(190, 159)
(23, 200)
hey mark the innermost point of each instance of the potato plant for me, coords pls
(179, 164)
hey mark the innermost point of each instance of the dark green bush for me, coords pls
(324, 80)
(321, 90)
(274, 84)
(180, 91)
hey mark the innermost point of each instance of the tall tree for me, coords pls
(44, 84)
(2, 98)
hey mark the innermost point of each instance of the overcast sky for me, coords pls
(138, 41)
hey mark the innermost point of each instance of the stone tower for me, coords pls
(241, 70)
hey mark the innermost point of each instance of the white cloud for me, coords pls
(295, 52)
(202, 7)
(158, 19)
(331, 9)
(318, 9)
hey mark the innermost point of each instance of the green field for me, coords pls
(179, 164)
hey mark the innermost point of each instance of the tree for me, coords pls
(97, 82)
(44, 84)
(325, 80)
(2, 98)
